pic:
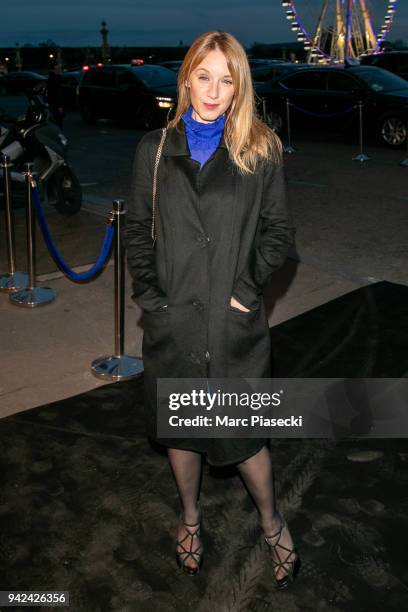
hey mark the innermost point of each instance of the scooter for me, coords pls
(34, 137)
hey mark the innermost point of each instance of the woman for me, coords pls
(222, 229)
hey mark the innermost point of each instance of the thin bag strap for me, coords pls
(156, 165)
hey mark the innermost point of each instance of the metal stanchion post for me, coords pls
(361, 157)
(404, 162)
(31, 296)
(12, 280)
(288, 148)
(118, 366)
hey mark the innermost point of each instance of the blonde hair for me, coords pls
(247, 137)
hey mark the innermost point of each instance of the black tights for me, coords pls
(256, 472)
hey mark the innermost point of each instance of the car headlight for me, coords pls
(163, 102)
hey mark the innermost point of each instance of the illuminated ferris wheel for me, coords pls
(340, 29)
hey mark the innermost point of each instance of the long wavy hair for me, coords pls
(247, 137)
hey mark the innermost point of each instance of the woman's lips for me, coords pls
(210, 106)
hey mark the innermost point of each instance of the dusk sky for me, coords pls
(163, 22)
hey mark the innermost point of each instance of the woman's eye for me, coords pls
(205, 78)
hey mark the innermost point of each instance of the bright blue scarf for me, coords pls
(202, 138)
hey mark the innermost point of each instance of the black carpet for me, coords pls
(88, 506)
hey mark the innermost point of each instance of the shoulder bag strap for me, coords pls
(156, 165)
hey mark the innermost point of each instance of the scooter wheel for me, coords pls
(65, 192)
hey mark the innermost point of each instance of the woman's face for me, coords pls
(211, 87)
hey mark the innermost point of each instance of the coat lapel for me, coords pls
(176, 145)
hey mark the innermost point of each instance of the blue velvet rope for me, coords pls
(77, 277)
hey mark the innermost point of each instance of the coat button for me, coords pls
(207, 356)
(203, 240)
(197, 304)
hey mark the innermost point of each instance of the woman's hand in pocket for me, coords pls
(235, 304)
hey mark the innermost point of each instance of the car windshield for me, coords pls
(381, 80)
(269, 73)
(155, 76)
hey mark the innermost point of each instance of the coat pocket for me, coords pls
(253, 303)
(240, 329)
(247, 343)
(240, 312)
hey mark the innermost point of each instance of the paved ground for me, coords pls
(89, 506)
(352, 229)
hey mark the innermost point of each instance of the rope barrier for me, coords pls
(76, 277)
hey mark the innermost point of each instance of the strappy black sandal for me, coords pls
(294, 564)
(197, 554)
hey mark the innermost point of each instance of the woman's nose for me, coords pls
(213, 90)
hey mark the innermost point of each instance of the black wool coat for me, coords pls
(219, 234)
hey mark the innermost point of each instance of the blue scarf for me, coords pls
(202, 138)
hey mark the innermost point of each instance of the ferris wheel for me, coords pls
(337, 30)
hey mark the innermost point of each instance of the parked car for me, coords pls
(172, 64)
(269, 72)
(144, 94)
(69, 83)
(394, 61)
(22, 82)
(264, 77)
(325, 98)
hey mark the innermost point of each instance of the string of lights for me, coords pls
(363, 38)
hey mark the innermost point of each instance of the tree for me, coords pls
(48, 43)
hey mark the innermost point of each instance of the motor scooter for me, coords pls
(35, 137)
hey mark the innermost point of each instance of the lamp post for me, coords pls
(105, 51)
(18, 60)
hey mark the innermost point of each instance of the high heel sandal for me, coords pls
(197, 555)
(283, 583)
